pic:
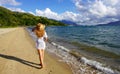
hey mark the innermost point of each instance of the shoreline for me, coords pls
(110, 63)
(80, 64)
(108, 59)
(18, 55)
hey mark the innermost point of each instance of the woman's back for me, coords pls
(39, 33)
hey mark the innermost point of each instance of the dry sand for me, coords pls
(19, 56)
(6, 30)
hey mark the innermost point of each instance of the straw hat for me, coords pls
(41, 26)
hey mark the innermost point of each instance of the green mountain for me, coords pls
(10, 19)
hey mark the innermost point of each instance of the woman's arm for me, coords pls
(45, 37)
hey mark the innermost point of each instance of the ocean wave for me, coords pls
(110, 44)
(59, 46)
(95, 64)
(94, 39)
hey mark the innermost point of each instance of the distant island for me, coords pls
(75, 24)
(9, 18)
(111, 23)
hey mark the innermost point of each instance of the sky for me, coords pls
(82, 12)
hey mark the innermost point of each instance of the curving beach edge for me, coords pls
(18, 55)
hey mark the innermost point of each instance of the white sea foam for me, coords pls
(61, 47)
(97, 65)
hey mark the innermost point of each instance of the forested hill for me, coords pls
(10, 18)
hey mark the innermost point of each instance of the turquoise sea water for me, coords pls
(105, 37)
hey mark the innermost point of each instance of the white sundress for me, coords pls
(40, 43)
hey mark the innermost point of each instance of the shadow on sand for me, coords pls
(28, 63)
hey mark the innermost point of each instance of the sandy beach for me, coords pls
(18, 55)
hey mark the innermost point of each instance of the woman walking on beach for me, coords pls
(41, 34)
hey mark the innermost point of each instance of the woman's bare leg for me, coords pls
(43, 56)
(40, 57)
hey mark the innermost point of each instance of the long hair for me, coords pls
(40, 30)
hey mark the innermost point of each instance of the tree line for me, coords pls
(12, 19)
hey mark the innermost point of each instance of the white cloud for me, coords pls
(17, 9)
(53, 15)
(10, 2)
(48, 13)
(98, 11)
(31, 12)
(91, 12)
(20, 10)
(101, 10)
(111, 2)
(69, 16)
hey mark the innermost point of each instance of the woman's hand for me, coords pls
(45, 39)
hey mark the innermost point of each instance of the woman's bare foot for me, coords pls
(42, 66)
